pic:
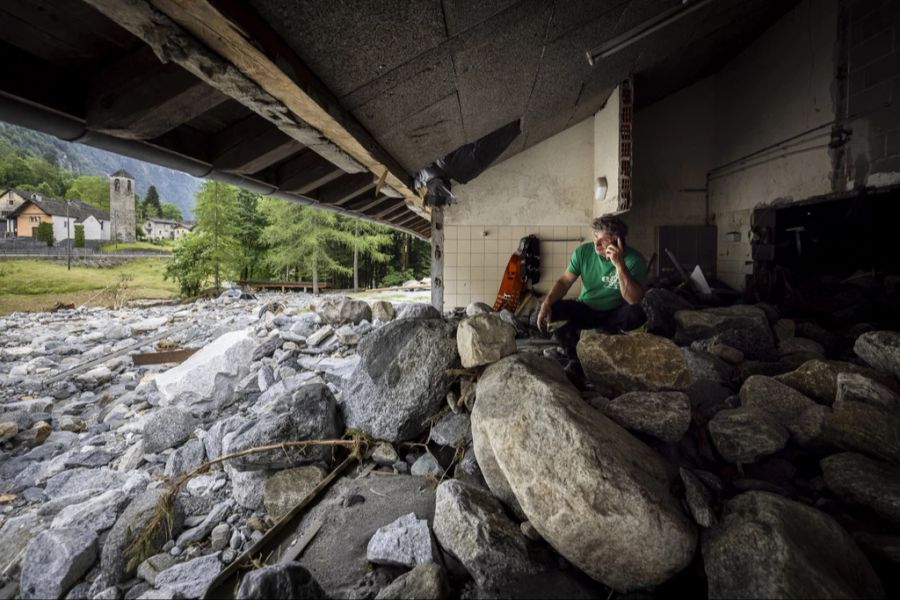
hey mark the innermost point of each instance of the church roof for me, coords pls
(122, 173)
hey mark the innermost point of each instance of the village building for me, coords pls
(10, 200)
(164, 229)
(64, 215)
(121, 206)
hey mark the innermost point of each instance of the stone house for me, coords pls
(64, 215)
(10, 200)
(164, 229)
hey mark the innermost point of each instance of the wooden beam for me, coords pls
(304, 173)
(172, 43)
(251, 145)
(140, 98)
(393, 206)
(306, 97)
(395, 212)
(407, 221)
(344, 189)
(364, 203)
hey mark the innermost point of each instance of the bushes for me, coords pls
(79, 236)
(45, 233)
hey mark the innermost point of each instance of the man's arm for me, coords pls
(631, 290)
(559, 289)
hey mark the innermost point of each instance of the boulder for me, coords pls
(401, 378)
(54, 560)
(861, 480)
(624, 528)
(664, 415)
(660, 306)
(881, 350)
(617, 364)
(201, 531)
(471, 526)
(427, 466)
(770, 547)
(782, 402)
(784, 329)
(478, 308)
(279, 582)
(15, 534)
(743, 327)
(452, 430)
(285, 489)
(852, 387)
(116, 562)
(320, 335)
(310, 413)
(484, 339)
(190, 579)
(8, 430)
(205, 382)
(418, 310)
(247, 487)
(425, 582)
(742, 435)
(698, 499)
(818, 378)
(382, 310)
(798, 345)
(340, 310)
(166, 428)
(185, 459)
(96, 514)
(860, 427)
(153, 566)
(404, 543)
(704, 365)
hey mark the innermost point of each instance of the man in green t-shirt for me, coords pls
(612, 279)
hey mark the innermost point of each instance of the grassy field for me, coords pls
(35, 285)
(165, 246)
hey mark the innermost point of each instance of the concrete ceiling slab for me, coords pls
(347, 43)
(461, 15)
(496, 66)
(427, 135)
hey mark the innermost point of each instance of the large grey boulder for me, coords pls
(743, 327)
(770, 547)
(470, 525)
(283, 581)
(623, 528)
(483, 339)
(881, 350)
(617, 364)
(185, 459)
(452, 430)
(664, 415)
(205, 382)
(340, 310)
(384, 311)
(862, 480)
(401, 378)
(860, 427)
(166, 428)
(818, 378)
(15, 534)
(406, 542)
(660, 306)
(310, 413)
(55, 560)
(190, 579)
(286, 488)
(248, 487)
(743, 435)
(782, 402)
(852, 387)
(96, 514)
(425, 582)
(418, 310)
(116, 560)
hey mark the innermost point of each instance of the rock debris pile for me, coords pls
(724, 452)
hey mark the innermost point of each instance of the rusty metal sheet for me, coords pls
(158, 358)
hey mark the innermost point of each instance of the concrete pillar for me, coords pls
(437, 257)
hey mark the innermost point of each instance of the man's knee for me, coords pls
(631, 316)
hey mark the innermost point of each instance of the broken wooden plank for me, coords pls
(312, 103)
(160, 358)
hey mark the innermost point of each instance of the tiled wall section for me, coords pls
(476, 258)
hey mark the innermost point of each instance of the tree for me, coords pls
(170, 211)
(302, 238)
(189, 265)
(152, 207)
(217, 226)
(79, 236)
(45, 233)
(249, 234)
(369, 240)
(92, 189)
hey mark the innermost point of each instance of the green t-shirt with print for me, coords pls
(599, 281)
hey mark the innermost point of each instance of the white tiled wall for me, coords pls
(476, 258)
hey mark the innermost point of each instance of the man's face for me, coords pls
(602, 240)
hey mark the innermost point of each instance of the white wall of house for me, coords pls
(60, 230)
(95, 229)
(546, 190)
(776, 89)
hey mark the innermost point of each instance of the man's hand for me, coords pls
(616, 253)
(543, 316)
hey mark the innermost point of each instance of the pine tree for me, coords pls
(152, 206)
